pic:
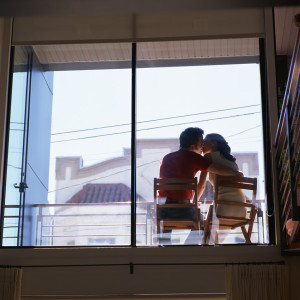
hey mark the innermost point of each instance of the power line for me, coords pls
(102, 177)
(118, 152)
(155, 120)
(118, 172)
(243, 131)
(13, 122)
(9, 165)
(244, 142)
(125, 170)
(103, 154)
(151, 128)
(78, 184)
(39, 179)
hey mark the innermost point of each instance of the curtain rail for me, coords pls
(131, 265)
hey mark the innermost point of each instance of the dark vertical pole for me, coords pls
(11, 66)
(25, 146)
(133, 147)
(267, 141)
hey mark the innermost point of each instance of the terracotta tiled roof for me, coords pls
(102, 193)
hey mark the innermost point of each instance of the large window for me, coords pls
(77, 112)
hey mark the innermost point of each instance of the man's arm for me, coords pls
(223, 170)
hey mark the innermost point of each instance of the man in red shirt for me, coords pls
(185, 163)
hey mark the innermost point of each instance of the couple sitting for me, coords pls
(187, 161)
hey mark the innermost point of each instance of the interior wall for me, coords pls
(118, 280)
(128, 271)
(294, 265)
(138, 27)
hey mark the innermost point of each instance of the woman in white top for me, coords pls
(218, 151)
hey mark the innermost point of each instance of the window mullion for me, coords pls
(133, 147)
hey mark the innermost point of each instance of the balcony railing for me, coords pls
(107, 224)
(92, 224)
(287, 145)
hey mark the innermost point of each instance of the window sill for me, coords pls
(173, 255)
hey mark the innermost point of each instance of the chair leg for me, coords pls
(158, 227)
(217, 237)
(199, 217)
(252, 217)
(246, 235)
(208, 225)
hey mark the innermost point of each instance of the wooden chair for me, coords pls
(193, 223)
(225, 222)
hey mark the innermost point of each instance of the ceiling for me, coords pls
(95, 7)
(50, 54)
(285, 29)
(164, 53)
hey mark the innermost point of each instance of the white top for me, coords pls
(227, 193)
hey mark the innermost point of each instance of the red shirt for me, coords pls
(181, 164)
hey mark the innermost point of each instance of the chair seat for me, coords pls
(193, 222)
(179, 224)
(231, 222)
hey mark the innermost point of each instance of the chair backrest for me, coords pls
(244, 183)
(175, 184)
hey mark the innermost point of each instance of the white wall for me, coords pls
(144, 26)
(192, 269)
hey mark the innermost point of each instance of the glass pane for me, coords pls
(15, 147)
(202, 84)
(89, 198)
(83, 195)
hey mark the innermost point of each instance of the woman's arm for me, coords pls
(223, 170)
(201, 184)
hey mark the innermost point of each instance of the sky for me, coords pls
(219, 98)
(105, 97)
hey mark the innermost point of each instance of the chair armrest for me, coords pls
(206, 201)
(175, 205)
(233, 203)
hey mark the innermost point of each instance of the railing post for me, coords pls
(292, 182)
(38, 233)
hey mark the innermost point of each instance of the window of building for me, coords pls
(90, 124)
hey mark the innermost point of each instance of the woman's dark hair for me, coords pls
(190, 136)
(221, 145)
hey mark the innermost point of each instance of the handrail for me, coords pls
(81, 204)
(287, 144)
(286, 98)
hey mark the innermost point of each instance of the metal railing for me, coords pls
(287, 145)
(103, 224)
(92, 224)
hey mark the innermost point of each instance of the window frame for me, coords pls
(266, 143)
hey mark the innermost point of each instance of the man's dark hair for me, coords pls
(190, 136)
